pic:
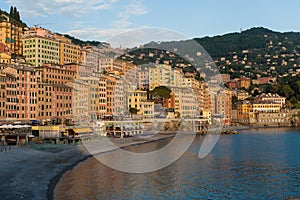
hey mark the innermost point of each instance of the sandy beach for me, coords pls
(31, 172)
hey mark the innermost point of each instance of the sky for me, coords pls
(102, 19)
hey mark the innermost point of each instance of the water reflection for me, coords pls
(252, 165)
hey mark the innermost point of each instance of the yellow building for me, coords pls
(44, 132)
(244, 111)
(11, 36)
(136, 99)
(5, 58)
(266, 106)
(259, 112)
(68, 52)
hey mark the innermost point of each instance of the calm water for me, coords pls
(257, 164)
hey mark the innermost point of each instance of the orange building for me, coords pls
(27, 92)
(11, 35)
(243, 83)
(110, 89)
(56, 74)
(12, 102)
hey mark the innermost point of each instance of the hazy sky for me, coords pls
(101, 19)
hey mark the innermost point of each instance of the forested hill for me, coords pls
(254, 38)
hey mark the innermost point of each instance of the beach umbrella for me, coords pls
(17, 126)
(26, 126)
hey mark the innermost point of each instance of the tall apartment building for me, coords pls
(160, 75)
(105, 64)
(90, 56)
(185, 101)
(111, 96)
(54, 95)
(223, 105)
(68, 52)
(11, 36)
(56, 74)
(54, 102)
(143, 78)
(80, 101)
(102, 97)
(2, 96)
(93, 96)
(12, 101)
(27, 92)
(40, 46)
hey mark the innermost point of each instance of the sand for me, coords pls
(30, 173)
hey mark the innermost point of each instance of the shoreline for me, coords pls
(55, 180)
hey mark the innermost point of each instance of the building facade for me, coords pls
(11, 35)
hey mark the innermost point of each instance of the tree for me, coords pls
(161, 91)
(255, 93)
(11, 11)
(15, 13)
(17, 17)
(133, 110)
(287, 91)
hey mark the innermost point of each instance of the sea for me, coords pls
(255, 164)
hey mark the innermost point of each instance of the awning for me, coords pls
(82, 130)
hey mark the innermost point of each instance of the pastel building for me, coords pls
(90, 56)
(27, 92)
(11, 35)
(110, 89)
(40, 46)
(223, 105)
(12, 101)
(261, 113)
(92, 96)
(102, 97)
(160, 76)
(54, 96)
(68, 52)
(273, 98)
(136, 99)
(185, 101)
(80, 101)
(5, 58)
(143, 79)
(56, 74)
(2, 96)
(105, 64)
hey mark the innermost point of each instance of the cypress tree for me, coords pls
(17, 16)
(14, 13)
(11, 11)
